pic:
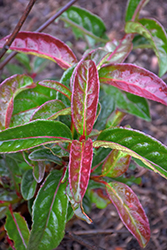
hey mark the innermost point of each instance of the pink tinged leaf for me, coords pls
(135, 80)
(85, 97)
(81, 155)
(43, 45)
(130, 211)
(77, 207)
(8, 90)
(57, 86)
(116, 163)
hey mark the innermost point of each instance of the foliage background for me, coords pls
(152, 192)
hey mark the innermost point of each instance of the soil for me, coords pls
(107, 230)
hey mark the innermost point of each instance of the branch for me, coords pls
(17, 28)
(41, 28)
(82, 241)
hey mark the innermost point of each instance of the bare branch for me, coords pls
(17, 28)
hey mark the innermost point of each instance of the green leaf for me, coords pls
(33, 134)
(130, 211)
(84, 23)
(9, 88)
(48, 110)
(145, 148)
(116, 164)
(49, 214)
(133, 9)
(17, 230)
(45, 154)
(28, 185)
(107, 102)
(24, 60)
(128, 102)
(99, 197)
(25, 104)
(154, 32)
(57, 86)
(39, 171)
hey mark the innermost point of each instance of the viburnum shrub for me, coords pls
(60, 142)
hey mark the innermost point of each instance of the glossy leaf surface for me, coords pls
(119, 50)
(116, 164)
(17, 230)
(28, 185)
(39, 171)
(134, 7)
(150, 151)
(47, 110)
(8, 90)
(154, 32)
(130, 211)
(33, 134)
(85, 97)
(43, 45)
(135, 80)
(45, 154)
(57, 86)
(49, 214)
(28, 101)
(84, 23)
(128, 102)
(81, 155)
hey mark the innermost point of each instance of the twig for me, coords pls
(17, 28)
(82, 242)
(41, 28)
(95, 232)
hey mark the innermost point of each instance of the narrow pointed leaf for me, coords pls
(134, 7)
(130, 211)
(43, 45)
(85, 97)
(77, 207)
(49, 214)
(145, 148)
(17, 230)
(8, 90)
(84, 23)
(28, 185)
(116, 164)
(135, 80)
(33, 134)
(154, 32)
(81, 155)
(57, 86)
(47, 110)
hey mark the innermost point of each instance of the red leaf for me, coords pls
(116, 163)
(8, 90)
(130, 211)
(81, 155)
(85, 96)
(43, 45)
(135, 80)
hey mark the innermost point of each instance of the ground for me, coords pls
(107, 230)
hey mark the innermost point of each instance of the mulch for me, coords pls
(107, 231)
